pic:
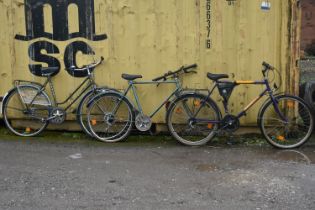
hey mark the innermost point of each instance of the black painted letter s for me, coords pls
(34, 52)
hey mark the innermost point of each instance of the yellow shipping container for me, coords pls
(149, 37)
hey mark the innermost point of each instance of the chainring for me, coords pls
(230, 123)
(143, 123)
(58, 116)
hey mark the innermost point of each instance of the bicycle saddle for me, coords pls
(49, 71)
(130, 76)
(216, 77)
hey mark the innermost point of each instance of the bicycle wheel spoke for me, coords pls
(25, 121)
(15, 108)
(292, 133)
(110, 118)
(183, 121)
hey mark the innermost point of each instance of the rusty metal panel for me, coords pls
(150, 37)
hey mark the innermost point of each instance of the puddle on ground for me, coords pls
(295, 156)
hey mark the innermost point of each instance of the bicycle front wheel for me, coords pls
(190, 117)
(25, 112)
(83, 108)
(110, 117)
(286, 124)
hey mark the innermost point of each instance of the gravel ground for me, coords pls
(66, 172)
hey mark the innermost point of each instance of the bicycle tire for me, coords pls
(82, 109)
(96, 120)
(34, 126)
(300, 126)
(179, 135)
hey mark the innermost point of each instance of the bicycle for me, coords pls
(284, 120)
(111, 115)
(30, 102)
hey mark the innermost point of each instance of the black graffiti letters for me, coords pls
(70, 57)
(34, 20)
(42, 51)
(35, 53)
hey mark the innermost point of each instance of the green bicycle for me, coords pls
(111, 115)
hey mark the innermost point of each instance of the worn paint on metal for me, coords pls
(149, 38)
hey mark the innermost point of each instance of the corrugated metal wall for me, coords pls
(150, 37)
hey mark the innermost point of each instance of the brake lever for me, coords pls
(164, 79)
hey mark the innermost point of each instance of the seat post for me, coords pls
(52, 89)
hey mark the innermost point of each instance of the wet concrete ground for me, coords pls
(72, 173)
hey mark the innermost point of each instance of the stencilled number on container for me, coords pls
(208, 44)
(208, 25)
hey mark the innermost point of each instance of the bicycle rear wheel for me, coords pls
(110, 117)
(23, 114)
(185, 124)
(291, 127)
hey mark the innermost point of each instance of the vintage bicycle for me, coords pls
(286, 121)
(28, 109)
(111, 115)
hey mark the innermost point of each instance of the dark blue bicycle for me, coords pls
(285, 121)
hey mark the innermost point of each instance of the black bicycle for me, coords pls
(27, 108)
(285, 121)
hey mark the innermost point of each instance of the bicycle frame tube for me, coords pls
(132, 85)
(39, 92)
(252, 103)
(87, 81)
(203, 103)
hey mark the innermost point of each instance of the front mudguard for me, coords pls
(106, 92)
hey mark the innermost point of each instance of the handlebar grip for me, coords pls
(187, 68)
(268, 66)
(190, 67)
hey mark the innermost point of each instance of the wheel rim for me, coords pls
(184, 125)
(293, 130)
(24, 121)
(82, 114)
(113, 128)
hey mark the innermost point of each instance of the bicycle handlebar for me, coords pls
(181, 69)
(89, 66)
(268, 66)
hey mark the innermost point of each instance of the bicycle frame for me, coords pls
(132, 86)
(241, 114)
(89, 82)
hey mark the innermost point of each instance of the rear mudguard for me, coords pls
(34, 85)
